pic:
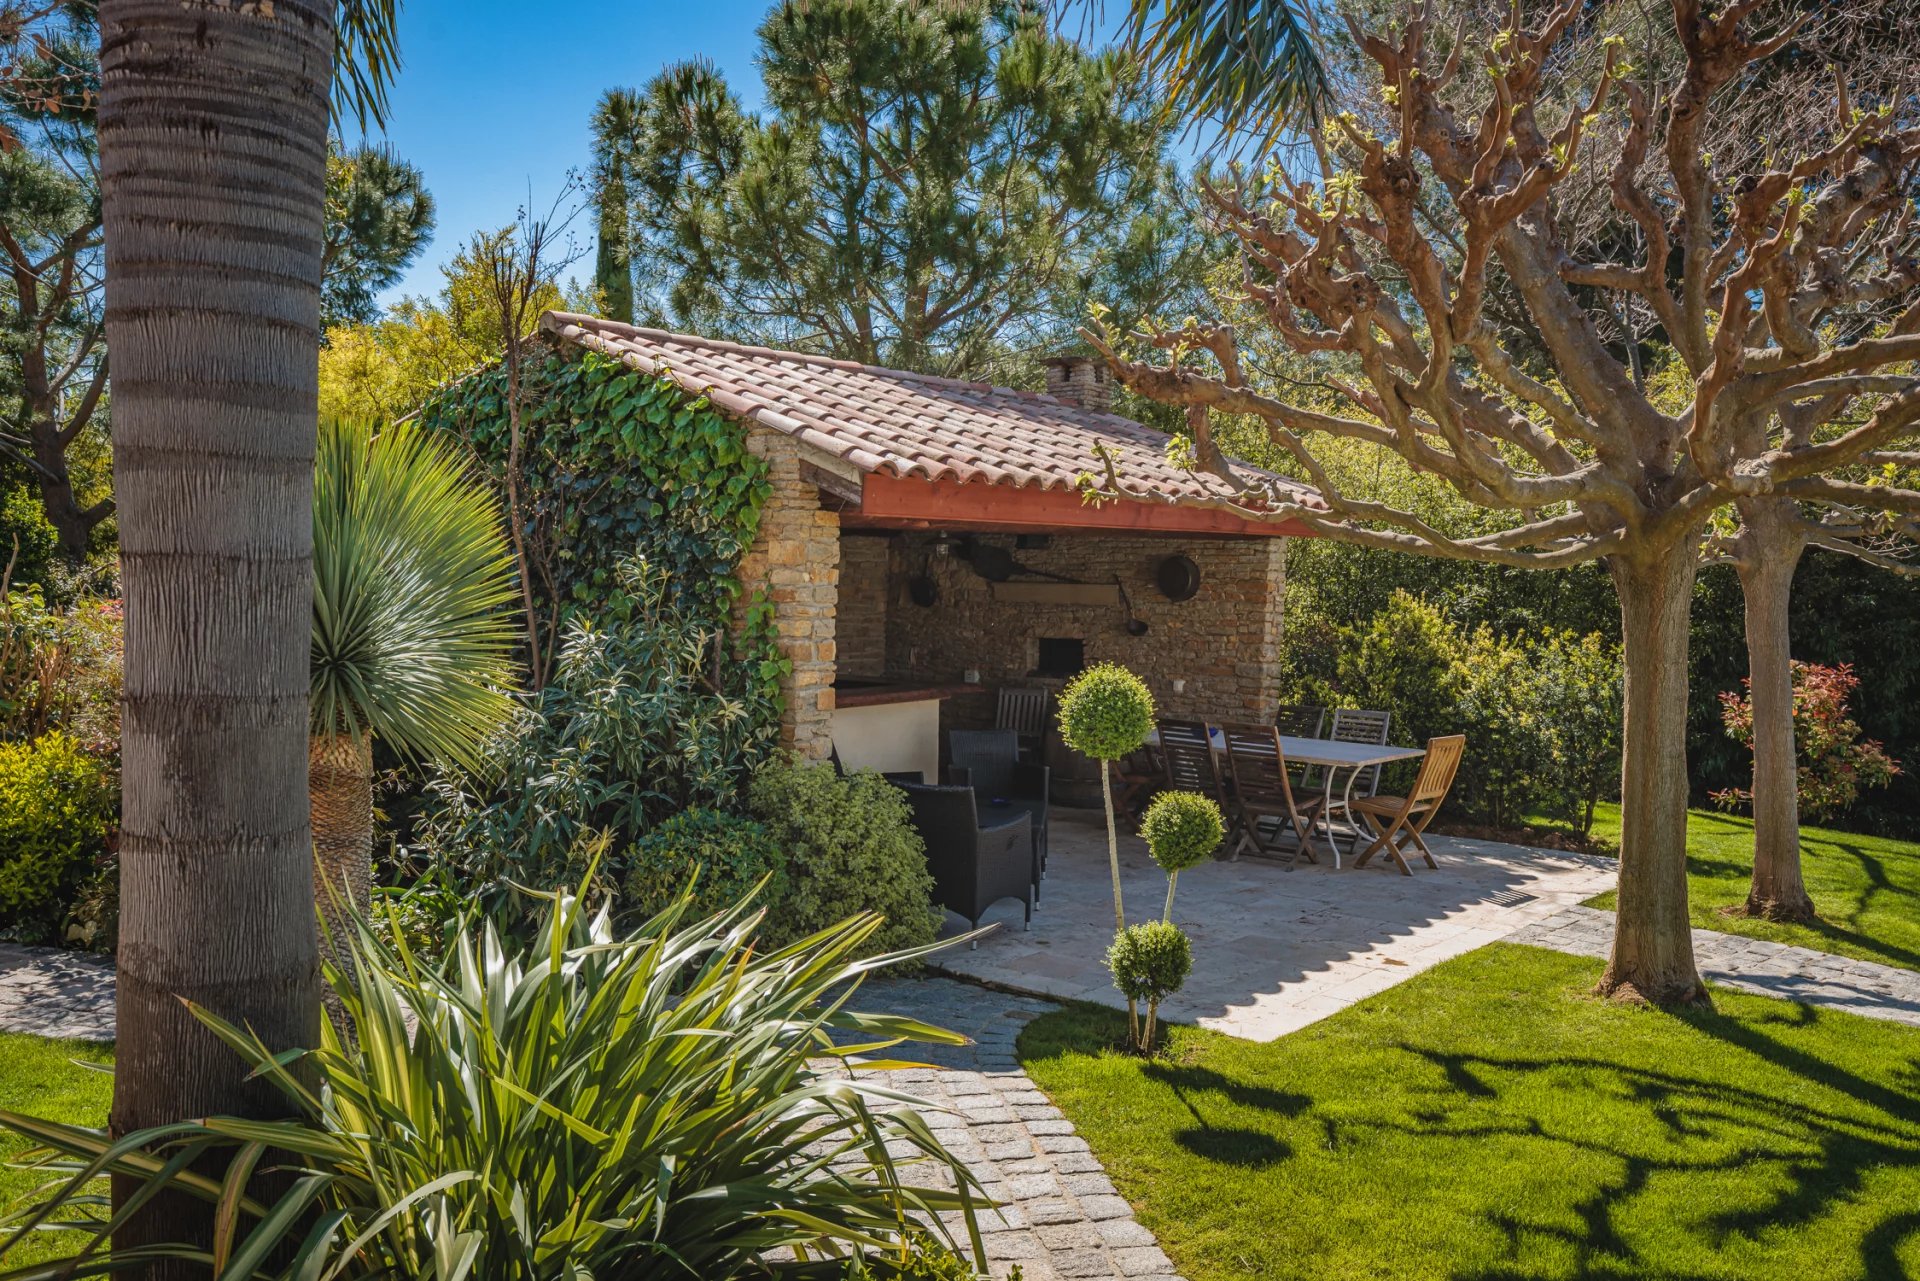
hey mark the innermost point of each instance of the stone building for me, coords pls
(927, 544)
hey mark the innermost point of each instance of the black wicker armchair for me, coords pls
(988, 761)
(975, 864)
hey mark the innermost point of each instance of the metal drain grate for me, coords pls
(1510, 898)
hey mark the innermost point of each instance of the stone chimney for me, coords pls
(1080, 380)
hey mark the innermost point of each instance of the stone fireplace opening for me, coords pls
(1060, 657)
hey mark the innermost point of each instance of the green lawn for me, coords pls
(1866, 888)
(41, 1078)
(1491, 1120)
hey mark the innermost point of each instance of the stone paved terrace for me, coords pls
(1274, 948)
(45, 992)
(1754, 965)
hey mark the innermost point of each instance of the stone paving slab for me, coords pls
(1062, 1216)
(1760, 966)
(1275, 948)
(63, 995)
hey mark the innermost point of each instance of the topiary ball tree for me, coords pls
(1182, 830)
(1107, 712)
(1149, 962)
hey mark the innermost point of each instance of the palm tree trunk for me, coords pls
(1652, 957)
(213, 129)
(1770, 550)
(340, 774)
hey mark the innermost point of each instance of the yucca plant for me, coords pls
(671, 1104)
(412, 641)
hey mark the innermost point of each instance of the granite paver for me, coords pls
(1274, 948)
(1062, 1217)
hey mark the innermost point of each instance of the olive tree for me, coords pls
(1381, 265)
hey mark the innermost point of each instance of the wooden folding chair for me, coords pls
(1263, 794)
(1398, 821)
(1186, 754)
(1135, 779)
(1024, 711)
(1298, 720)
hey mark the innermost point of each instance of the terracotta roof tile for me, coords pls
(897, 423)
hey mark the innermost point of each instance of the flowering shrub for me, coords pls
(1834, 763)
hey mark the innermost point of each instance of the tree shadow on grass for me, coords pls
(1234, 1145)
(1826, 1158)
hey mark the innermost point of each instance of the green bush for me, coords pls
(1106, 712)
(56, 806)
(1149, 962)
(730, 854)
(1541, 710)
(640, 723)
(849, 846)
(1406, 660)
(1182, 830)
(27, 538)
(660, 1105)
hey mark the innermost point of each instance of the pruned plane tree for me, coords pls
(1379, 265)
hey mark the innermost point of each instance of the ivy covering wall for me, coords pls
(617, 463)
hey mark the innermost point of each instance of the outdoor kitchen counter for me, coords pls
(893, 727)
(878, 693)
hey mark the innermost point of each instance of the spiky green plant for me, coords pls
(412, 640)
(676, 1103)
(1249, 66)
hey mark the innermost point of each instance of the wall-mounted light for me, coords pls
(944, 543)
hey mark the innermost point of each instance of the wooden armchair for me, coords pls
(1263, 796)
(1398, 821)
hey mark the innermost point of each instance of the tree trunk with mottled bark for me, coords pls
(213, 129)
(1652, 956)
(1770, 548)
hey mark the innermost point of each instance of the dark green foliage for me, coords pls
(56, 806)
(666, 1104)
(1182, 830)
(617, 464)
(716, 856)
(639, 724)
(379, 219)
(26, 539)
(849, 846)
(1540, 709)
(931, 185)
(922, 1259)
(1404, 659)
(1844, 611)
(1106, 712)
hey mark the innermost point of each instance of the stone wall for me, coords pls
(1224, 644)
(796, 558)
(863, 587)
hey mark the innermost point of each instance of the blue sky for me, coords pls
(494, 98)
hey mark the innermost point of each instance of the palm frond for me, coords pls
(1249, 65)
(413, 582)
(366, 58)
